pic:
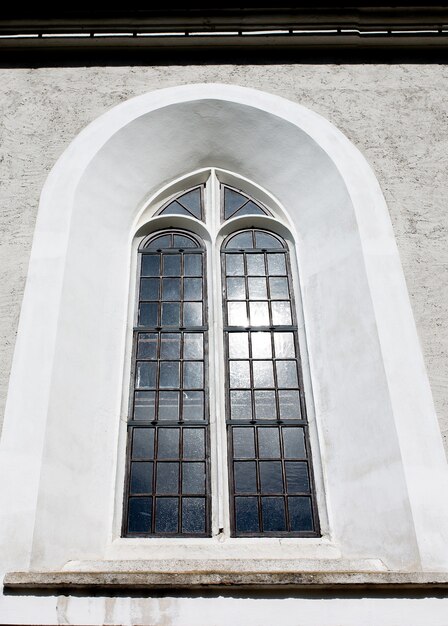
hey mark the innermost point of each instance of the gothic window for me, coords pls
(171, 456)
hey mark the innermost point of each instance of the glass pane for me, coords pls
(174, 208)
(193, 346)
(192, 201)
(193, 265)
(143, 443)
(144, 405)
(276, 264)
(241, 241)
(141, 478)
(255, 264)
(284, 345)
(194, 443)
(184, 242)
(278, 288)
(268, 443)
(193, 515)
(148, 314)
(193, 314)
(234, 265)
(149, 289)
(263, 374)
(170, 314)
(147, 346)
(300, 514)
(271, 477)
(261, 345)
(170, 345)
(243, 443)
(236, 288)
(237, 314)
(192, 288)
(193, 405)
(249, 209)
(265, 407)
(232, 202)
(289, 402)
(297, 476)
(171, 289)
(239, 374)
(294, 443)
(168, 405)
(169, 374)
(245, 476)
(264, 240)
(171, 265)
(259, 313)
(168, 443)
(257, 288)
(240, 405)
(146, 375)
(287, 374)
(238, 345)
(246, 514)
(273, 514)
(281, 313)
(140, 513)
(167, 478)
(193, 375)
(150, 265)
(167, 515)
(193, 478)
(163, 241)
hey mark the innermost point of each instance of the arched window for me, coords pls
(170, 460)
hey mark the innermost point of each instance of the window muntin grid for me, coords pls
(168, 482)
(270, 476)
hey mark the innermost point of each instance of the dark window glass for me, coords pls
(167, 484)
(237, 204)
(190, 204)
(269, 466)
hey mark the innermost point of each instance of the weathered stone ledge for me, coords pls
(192, 580)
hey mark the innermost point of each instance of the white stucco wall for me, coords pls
(396, 115)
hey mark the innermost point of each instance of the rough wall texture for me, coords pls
(396, 115)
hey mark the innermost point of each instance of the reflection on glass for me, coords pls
(170, 314)
(242, 241)
(300, 514)
(144, 405)
(284, 345)
(163, 241)
(234, 265)
(145, 375)
(289, 402)
(169, 374)
(147, 346)
(236, 289)
(140, 512)
(170, 346)
(287, 374)
(193, 515)
(240, 405)
(193, 443)
(281, 313)
(243, 443)
(184, 242)
(261, 345)
(143, 443)
(273, 514)
(232, 202)
(167, 513)
(193, 478)
(239, 374)
(150, 265)
(250, 208)
(259, 313)
(149, 288)
(237, 313)
(255, 265)
(192, 288)
(193, 265)
(257, 288)
(263, 374)
(192, 201)
(276, 264)
(238, 345)
(171, 289)
(245, 477)
(141, 478)
(294, 443)
(171, 264)
(193, 314)
(268, 443)
(167, 478)
(271, 477)
(246, 515)
(169, 405)
(193, 375)
(168, 443)
(193, 346)
(148, 314)
(193, 405)
(297, 476)
(265, 407)
(264, 240)
(278, 288)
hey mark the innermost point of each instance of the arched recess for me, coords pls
(382, 455)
